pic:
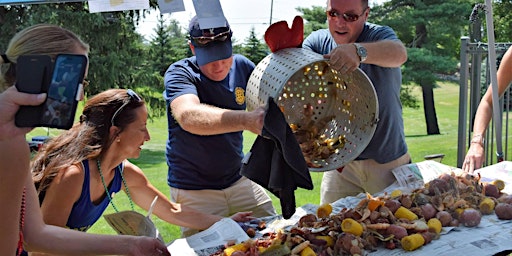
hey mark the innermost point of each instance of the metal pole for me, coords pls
(463, 100)
(271, 9)
(494, 82)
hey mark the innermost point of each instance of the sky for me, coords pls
(242, 15)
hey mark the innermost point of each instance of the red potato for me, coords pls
(392, 205)
(445, 218)
(398, 231)
(428, 211)
(503, 211)
(491, 190)
(428, 236)
(470, 217)
(505, 199)
(355, 250)
(454, 223)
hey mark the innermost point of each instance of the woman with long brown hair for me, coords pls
(22, 224)
(78, 172)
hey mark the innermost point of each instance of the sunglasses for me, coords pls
(133, 96)
(204, 40)
(348, 17)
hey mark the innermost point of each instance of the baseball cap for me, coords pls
(210, 44)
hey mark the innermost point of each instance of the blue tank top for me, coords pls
(205, 162)
(84, 212)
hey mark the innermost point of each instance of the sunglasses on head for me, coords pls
(204, 40)
(348, 17)
(133, 96)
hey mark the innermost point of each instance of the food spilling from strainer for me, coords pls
(332, 115)
(319, 90)
(313, 143)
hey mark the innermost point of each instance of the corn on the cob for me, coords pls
(405, 213)
(486, 206)
(412, 242)
(307, 252)
(500, 184)
(324, 211)
(234, 248)
(351, 226)
(328, 239)
(434, 225)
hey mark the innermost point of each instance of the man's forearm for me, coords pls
(209, 120)
(386, 53)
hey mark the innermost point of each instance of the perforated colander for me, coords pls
(332, 115)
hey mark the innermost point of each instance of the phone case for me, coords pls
(63, 85)
(33, 73)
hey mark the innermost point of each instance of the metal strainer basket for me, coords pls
(333, 116)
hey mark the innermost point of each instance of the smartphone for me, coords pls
(33, 72)
(64, 89)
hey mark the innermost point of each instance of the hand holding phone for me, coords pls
(62, 82)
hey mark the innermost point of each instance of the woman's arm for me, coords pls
(14, 159)
(143, 193)
(52, 239)
(475, 156)
(14, 164)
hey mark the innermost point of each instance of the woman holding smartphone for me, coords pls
(22, 222)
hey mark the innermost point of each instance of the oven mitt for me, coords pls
(276, 162)
(279, 36)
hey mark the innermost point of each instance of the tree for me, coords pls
(502, 12)
(314, 17)
(431, 30)
(118, 57)
(253, 48)
(168, 46)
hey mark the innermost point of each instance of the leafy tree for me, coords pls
(168, 45)
(431, 30)
(253, 48)
(502, 13)
(314, 17)
(118, 57)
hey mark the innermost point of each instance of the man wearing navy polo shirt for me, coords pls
(205, 96)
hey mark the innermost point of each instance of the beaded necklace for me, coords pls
(22, 221)
(106, 189)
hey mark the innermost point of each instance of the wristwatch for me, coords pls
(361, 52)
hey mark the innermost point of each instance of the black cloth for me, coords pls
(276, 161)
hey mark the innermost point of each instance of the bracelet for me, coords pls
(479, 139)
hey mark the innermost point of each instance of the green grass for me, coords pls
(152, 159)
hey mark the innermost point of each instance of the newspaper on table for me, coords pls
(134, 223)
(415, 175)
(490, 237)
(501, 170)
(210, 240)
